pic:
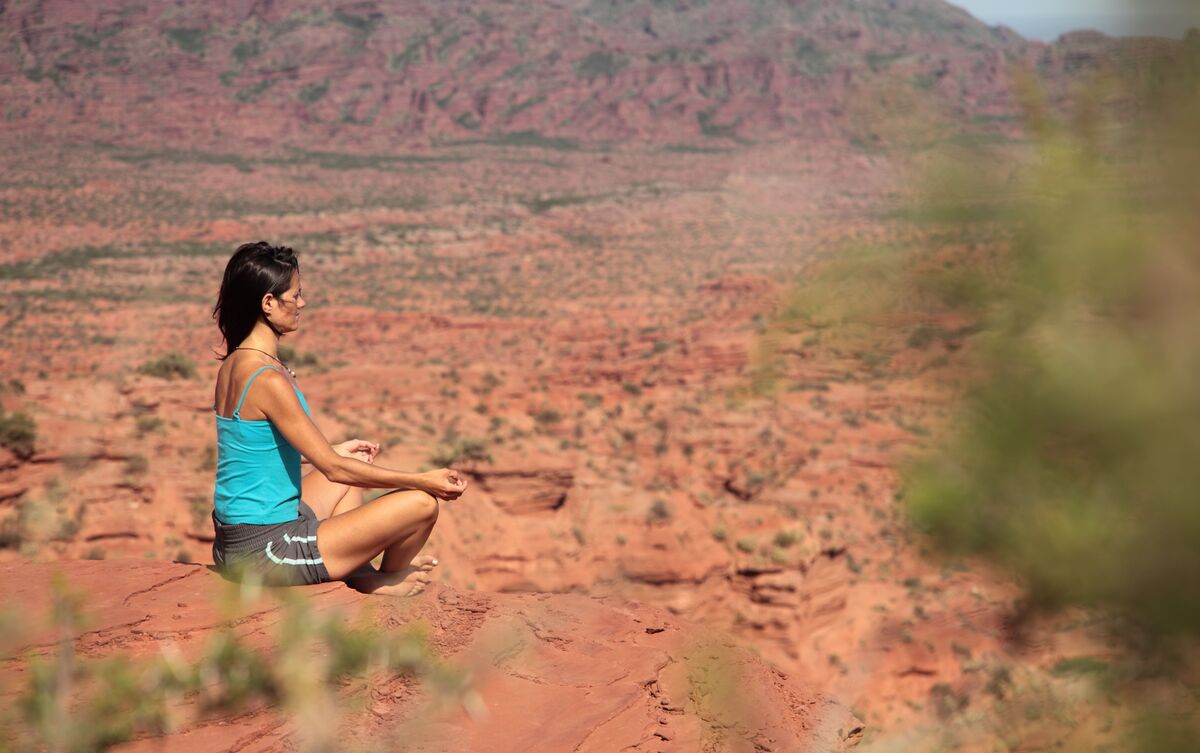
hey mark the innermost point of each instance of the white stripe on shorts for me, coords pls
(292, 560)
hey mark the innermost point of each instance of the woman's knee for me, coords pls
(418, 505)
(429, 507)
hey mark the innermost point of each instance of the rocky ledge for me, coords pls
(539, 672)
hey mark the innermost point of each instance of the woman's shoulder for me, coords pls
(239, 374)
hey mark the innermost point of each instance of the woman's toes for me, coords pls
(424, 562)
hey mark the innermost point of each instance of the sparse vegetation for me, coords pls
(136, 465)
(288, 355)
(658, 512)
(601, 63)
(18, 433)
(785, 539)
(208, 458)
(547, 416)
(172, 365)
(459, 451)
(148, 424)
(113, 700)
(312, 93)
(188, 39)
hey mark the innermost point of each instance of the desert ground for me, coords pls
(585, 333)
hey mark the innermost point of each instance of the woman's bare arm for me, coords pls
(278, 401)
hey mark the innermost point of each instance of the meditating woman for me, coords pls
(269, 519)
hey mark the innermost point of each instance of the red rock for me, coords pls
(526, 491)
(550, 673)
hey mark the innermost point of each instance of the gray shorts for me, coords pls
(283, 554)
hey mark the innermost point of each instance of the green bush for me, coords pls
(1074, 460)
(659, 512)
(113, 700)
(18, 433)
(810, 59)
(460, 450)
(12, 532)
(310, 93)
(147, 424)
(136, 464)
(246, 49)
(187, 39)
(785, 539)
(170, 366)
(547, 416)
(601, 63)
(291, 357)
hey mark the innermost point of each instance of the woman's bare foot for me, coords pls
(410, 581)
(424, 562)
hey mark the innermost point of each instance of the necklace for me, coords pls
(268, 355)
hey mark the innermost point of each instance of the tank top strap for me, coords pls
(237, 412)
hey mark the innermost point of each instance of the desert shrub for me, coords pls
(208, 458)
(460, 450)
(359, 24)
(785, 539)
(120, 697)
(601, 63)
(809, 58)
(12, 532)
(246, 49)
(291, 357)
(658, 512)
(1073, 461)
(547, 416)
(310, 93)
(18, 433)
(147, 424)
(187, 39)
(170, 366)
(136, 464)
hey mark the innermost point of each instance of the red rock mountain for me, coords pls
(307, 74)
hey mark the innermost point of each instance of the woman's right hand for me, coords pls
(444, 483)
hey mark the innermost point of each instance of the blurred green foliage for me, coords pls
(1069, 267)
(72, 703)
(1074, 463)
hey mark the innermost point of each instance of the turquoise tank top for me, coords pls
(258, 470)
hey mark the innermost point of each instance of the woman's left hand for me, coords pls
(359, 449)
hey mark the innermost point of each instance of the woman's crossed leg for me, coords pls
(352, 533)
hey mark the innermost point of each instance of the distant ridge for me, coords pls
(256, 73)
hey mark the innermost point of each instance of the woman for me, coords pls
(269, 519)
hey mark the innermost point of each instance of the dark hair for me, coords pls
(254, 270)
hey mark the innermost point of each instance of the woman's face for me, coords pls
(285, 310)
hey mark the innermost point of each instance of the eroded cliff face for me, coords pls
(542, 672)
